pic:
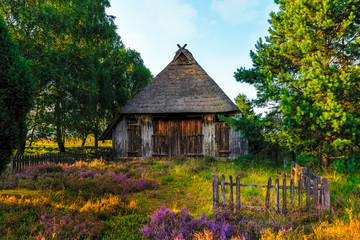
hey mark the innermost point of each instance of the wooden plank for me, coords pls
(307, 185)
(326, 193)
(267, 201)
(238, 205)
(300, 192)
(215, 192)
(292, 193)
(284, 209)
(316, 193)
(223, 189)
(261, 186)
(252, 207)
(231, 190)
(276, 195)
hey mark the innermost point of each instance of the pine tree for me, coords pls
(309, 67)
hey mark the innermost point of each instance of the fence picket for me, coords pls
(307, 184)
(292, 193)
(326, 193)
(316, 193)
(267, 201)
(223, 190)
(276, 195)
(238, 205)
(284, 210)
(215, 192)
(300, 187)
(231, 189)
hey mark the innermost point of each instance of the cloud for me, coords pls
(236, 11)
(154, 27)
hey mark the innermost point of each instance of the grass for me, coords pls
(41, 146)
(183, 183)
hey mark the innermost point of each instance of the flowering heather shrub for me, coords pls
(225, 224)
(91, 182)
(165, 224)
(58, 225)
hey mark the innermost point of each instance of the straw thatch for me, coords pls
(181, 87)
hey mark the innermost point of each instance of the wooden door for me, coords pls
(134, 139)
(222, 139)
(174, 137)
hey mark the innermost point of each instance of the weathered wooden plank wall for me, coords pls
(209, 134)
(238, 145)
(146, 135)
(120, 139)
(186, 136)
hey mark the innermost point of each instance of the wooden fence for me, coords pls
(20, 162)
(316, 191)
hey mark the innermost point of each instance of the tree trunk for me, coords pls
(21, 143)
(59, 139)
(96, 139)
(83, 141)
(59, 136)
(21, 148)
(61, 146)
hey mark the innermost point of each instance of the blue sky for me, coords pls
(219, 33)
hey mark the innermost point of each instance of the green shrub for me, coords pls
(124, 227)
(167, 178)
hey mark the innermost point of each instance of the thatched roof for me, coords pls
(181, 87)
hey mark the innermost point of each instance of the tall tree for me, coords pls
(16, 95)
(309, 68)
(71, 47)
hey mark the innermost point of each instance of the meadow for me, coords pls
(162, 199)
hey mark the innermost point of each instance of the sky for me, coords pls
(218, 33)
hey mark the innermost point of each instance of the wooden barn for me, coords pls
(176, 114)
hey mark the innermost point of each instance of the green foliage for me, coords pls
(308, 69)
(16, 95)
(125, 227)
(348, 165)
(255, 128)
(83, 72)
(167, 178)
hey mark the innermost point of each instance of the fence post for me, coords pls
(326, 193)
(307, 183)
(267, 202)
(276, 195)
(231, 190)
(215, 192)
(238, 205)
(13, 163)
(292, 169)
(223, 190)
(316, 193)
(284, 210)
(300, 186)
(292, 193)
